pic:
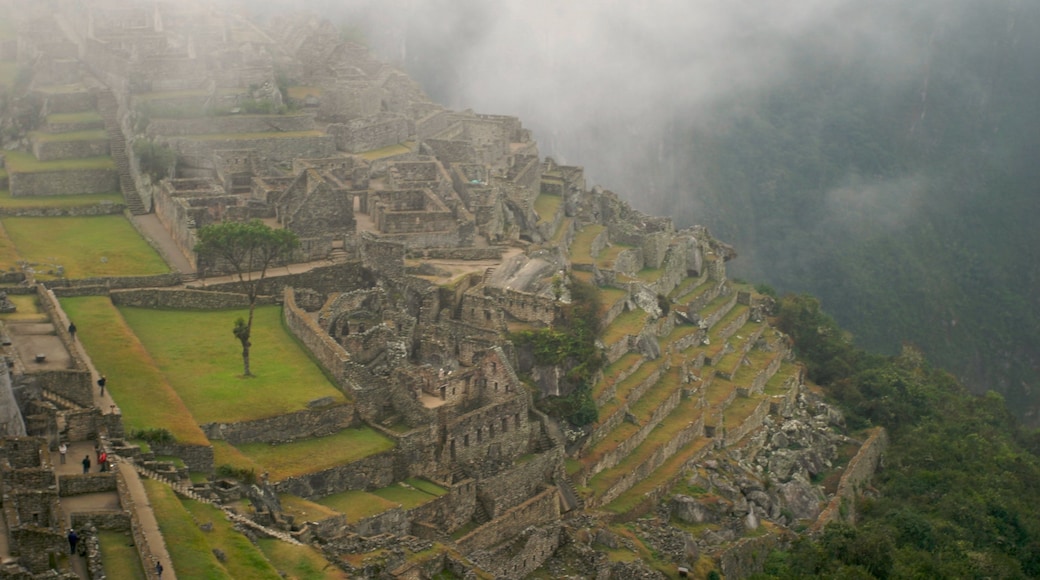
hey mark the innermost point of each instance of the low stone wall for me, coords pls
(81, 424)
(604, 429)
(523, 555)
(79, 484)
(70, 102)
(274, 148)
(109, 520)
(859, 470)
(331, 356)
(60, 287)
(753, 422)
(448, 512)
(540, 509)
(512, 487)
(74, 385)
(68, 182)
(75, 149)
(95, 209)
(629, 445)
(492, 253)
(392, 521)
(229, 124)
(179, 298)
(198, 458)
(369, 473)
(284, 428)
(144, 550)
(747, 556)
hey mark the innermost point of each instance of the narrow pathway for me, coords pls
(149, 525)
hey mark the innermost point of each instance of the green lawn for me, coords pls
(244, 559)
(134, 380)
(85, 246)
(67, 118)
(299, 562)
(357, 505)
(22, 162)
(411, 493)
(267, 135)
(388, 151)
(304, 510)
(312, 455)
(302, 92)
(187, 544)
(120, 556)
(201, 359)
(8, 253)
(546, 206)
(581, 248)
(627, 323)
(6, 200)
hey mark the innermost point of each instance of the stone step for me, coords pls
(59, 400)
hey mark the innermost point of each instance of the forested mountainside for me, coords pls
(891, 171)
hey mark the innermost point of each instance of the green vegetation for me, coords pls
(581, 247)
(191, 552)
(388, 151)
(192, 350)
(546, 206)
(119, 556)
(22, 162)
(299, 562)
(265, 135)
(156, 159)
(244, 559)
(134, 380)
(571, 344)
(85, 135)
(411, 493)
(85, 246)
(956, 497)
(357, 505)
(311, 455)
(74, 118)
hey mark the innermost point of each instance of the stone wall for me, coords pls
(80, 483)
(370, 133)
(858, 471)
(273, 148)
(95, 209)
(186, 299)
(144, 549)
(199, 459)
(540, 509)
(330, 355)
(491, 432)
(284, 428)
(523, 555)
(109, 520)
(67, 286)
(74, 385)
(70, 102)
(747, 556)
(81, 424)
(369, 473)
(448, 512)
(67, 182)
(514, 486)
(47, 150)
(392, 521)
(230, 124)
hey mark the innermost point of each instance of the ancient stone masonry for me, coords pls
(31, 511)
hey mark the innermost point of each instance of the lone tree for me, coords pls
(249, 248)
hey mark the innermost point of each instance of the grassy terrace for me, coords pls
(62, 89)
(305, 510)
(411, 493)
(244, 559)
(85, 246)
(718, 391)
(357, 505)
(608, 297)
(191, 552)
(775, 384)
(627, 323)
(650, 275)
(202, 361)
(565, 224)
(641, 409)
(389, 151)
(22, 162)
(8, 201)
(696, 291)
(581, 248)
(120, 556)
(740, 409)
(87, 135)
(715, 305)
(609, 254)
(302, 92)
(8, 253)
(613, 371)
(737, 310)
(684, 414)
(28, 309)
(298, 562)
(668, 470)
(546, 206)
(138, 386)
(316, 454)
(70, 118)
(264, 135)
(625, 387)
(760, 360)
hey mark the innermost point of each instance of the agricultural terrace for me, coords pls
(85, 247)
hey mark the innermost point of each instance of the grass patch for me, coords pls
(299, 562)
(262, 135)
(225, 453)
(775, 384)
(244, 559)
(613, 372)
(698, 290)
(668, 470)
(74, 118)
(740, 409)
(120, 556)
(546, 206)
(608, 297)
(316, 454)
(357, 505)
(85, 246)
(389, 151)
(581, 248)
(412, 493)
(7, 200)
(199, 356)
(86, 135)
(305, 510)
(187, 544)
(8, 253)
(715, 305)
(609, 255)
(27, 309)
(650, 275)
(301, 92)
(135, 382)
(22, 162)
(626, 324)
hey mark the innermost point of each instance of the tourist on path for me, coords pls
(86, 464)
(73, 538)
(101, 383)
(102, 461)
(62, 450)
(158, 568)
(72, 329)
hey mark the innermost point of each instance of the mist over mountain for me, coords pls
(880, 155)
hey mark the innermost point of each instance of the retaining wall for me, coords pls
(66, 182)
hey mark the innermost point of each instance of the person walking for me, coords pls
(158, 568)
(101, 382)
(102, 461)
(72, 329)
(62, 450)
(73, 539)
(86, 464)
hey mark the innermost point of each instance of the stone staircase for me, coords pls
(58, 400)
(189, 493)
(109, 108)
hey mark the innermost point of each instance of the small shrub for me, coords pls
(247, 476)
(155, 436)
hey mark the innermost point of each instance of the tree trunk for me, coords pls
(249, 332)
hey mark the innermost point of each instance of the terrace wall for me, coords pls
(185, 299)
(65, 182)
(230, 124)
(331, 356)
(76, 149)
(273, 148)
(859, 470)
(96, 209)
(196, 457)
(284, 428)
(369, 473)
(81, 483)
(542, 508)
